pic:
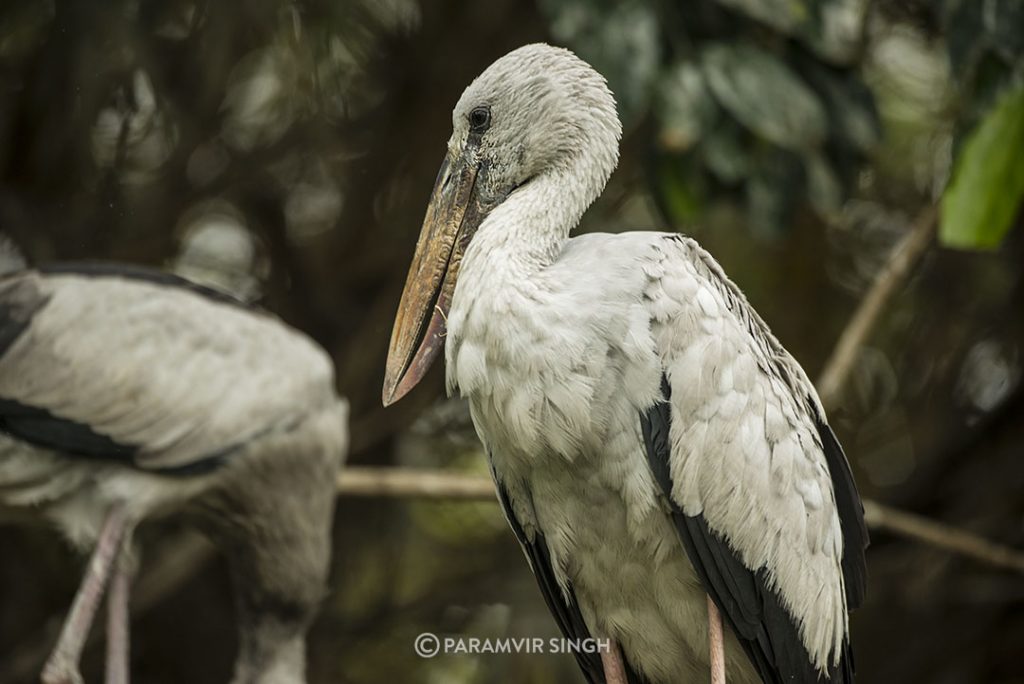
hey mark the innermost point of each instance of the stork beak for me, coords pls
(453, 215)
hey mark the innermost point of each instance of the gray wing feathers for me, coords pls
(746, 453)
(176, 376)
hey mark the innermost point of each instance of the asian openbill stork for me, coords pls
(128, 393)
(656, 451)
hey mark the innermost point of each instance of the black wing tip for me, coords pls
(850, 509)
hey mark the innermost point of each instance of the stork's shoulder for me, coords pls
(631, 248)
(613, 266)
(688, 288)
(667, 270)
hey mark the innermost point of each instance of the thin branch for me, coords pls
(881, 517)
(418, 483)
(435, 484)
(904, 256)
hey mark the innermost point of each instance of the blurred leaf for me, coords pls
(974, 28)
(262, 98)
(765, 95)
(833, 29)
(686, 108)
(842, 30)
(980, 204)
(849, 103)
(773, 190)
(1004, 20)
(965, 36)
(726, 154)
(783, 15)
(823, 188)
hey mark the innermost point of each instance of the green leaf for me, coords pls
(979, 205)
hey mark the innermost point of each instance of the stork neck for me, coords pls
(531, 226)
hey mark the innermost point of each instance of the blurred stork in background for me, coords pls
(661, 458)
(127, 393)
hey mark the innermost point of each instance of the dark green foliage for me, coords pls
(762, 96)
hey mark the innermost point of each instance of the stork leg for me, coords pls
(614, 667)
(716, 642)
(118, 617)
(62, 665)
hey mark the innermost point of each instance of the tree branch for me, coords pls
(881, 517)
(904, 256)
(416, 483)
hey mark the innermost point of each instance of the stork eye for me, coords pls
(479, 119)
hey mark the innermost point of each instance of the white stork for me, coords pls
(128, 393)
(655, 449)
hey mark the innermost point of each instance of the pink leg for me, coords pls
(118, 621)
(614, 667)
(716, 643)
(62, 665)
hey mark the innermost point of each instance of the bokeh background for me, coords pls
(285, 150)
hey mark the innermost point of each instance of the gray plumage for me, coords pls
(651, 440)
(128, 389)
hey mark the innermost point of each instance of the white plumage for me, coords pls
(652, 442)
(127, 394)
(180, 375)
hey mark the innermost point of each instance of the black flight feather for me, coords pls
(851, 515)
(749, 606)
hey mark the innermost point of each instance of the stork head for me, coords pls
(538, 113)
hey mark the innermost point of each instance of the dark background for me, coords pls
(285, 151)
